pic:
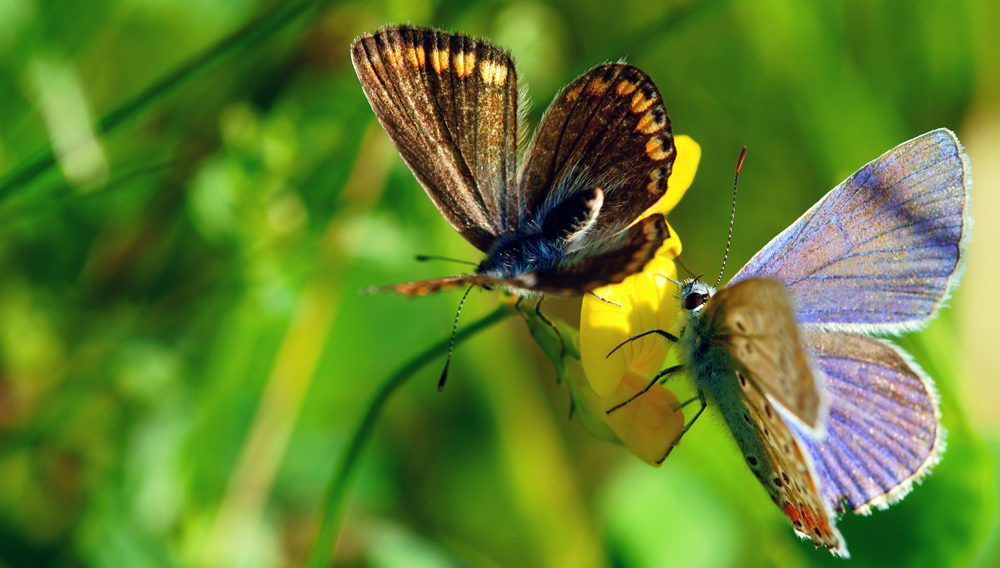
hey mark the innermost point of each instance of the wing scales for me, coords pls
(883, 432)
(449, 104)
(753, 320)
(777, 457)
(881, 251)
(607, 129)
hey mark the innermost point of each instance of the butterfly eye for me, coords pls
(694, 300)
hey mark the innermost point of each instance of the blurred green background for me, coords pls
(194, 190)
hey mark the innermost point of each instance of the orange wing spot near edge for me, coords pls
(808, 519)
(439, 59)
(625, 88)
(640, 102)
(791, 512)
(597, 87)
(655, 150)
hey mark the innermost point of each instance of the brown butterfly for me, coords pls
(562, 223)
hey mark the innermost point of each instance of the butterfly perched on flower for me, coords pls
(829, 418)
(564, 221)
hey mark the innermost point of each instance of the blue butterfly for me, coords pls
(828, 417)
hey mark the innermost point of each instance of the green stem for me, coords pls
(333, 502)
(254, 31)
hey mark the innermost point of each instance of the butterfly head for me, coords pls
(693, 294)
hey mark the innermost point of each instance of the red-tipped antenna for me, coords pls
(732, 219)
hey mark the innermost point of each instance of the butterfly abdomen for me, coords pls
(712, 369)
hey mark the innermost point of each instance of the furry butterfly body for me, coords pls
(829, 418)
(564, 222)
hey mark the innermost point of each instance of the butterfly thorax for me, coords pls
(708, 363)
(521, 255)
(560, 230)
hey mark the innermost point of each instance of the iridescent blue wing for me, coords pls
(449, 104)
(881, 251)
(883, 430)
(607, 129)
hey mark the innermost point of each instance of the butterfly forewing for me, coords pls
(449, 104)
(881, 251)
(753, 320)
(883, 430)
(607, 129)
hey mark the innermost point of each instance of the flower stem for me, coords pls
(336, 492)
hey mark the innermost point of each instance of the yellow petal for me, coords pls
(650, 423)
(681, 175)
(645, 301)
(646, 426)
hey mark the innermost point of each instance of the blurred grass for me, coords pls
(183, 357)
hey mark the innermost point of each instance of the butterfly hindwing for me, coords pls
(449, 104)
(620, 256)
(778, 459)
(883, 430)
(608, 263)
(753, 320)
(607, 129)
(881, 251)
(424, 287)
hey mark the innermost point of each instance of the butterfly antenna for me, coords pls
(451, 346)
(732, 219)
(426, 257)
(664, 276)
(680, 261)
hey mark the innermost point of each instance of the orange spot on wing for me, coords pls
(394, 54)
(465, 64)
(625, 88)
(640, 103)
(655, 150)
(597, 87)
(416, 55)
(808, 519)
(439, 59)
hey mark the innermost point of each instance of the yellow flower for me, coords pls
(646, 426)
(645, 301)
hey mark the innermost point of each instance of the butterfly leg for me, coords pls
(662, 374)
(562, 342)
(605, 300)
(701, 398)
(688, 401)
(669, 336)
